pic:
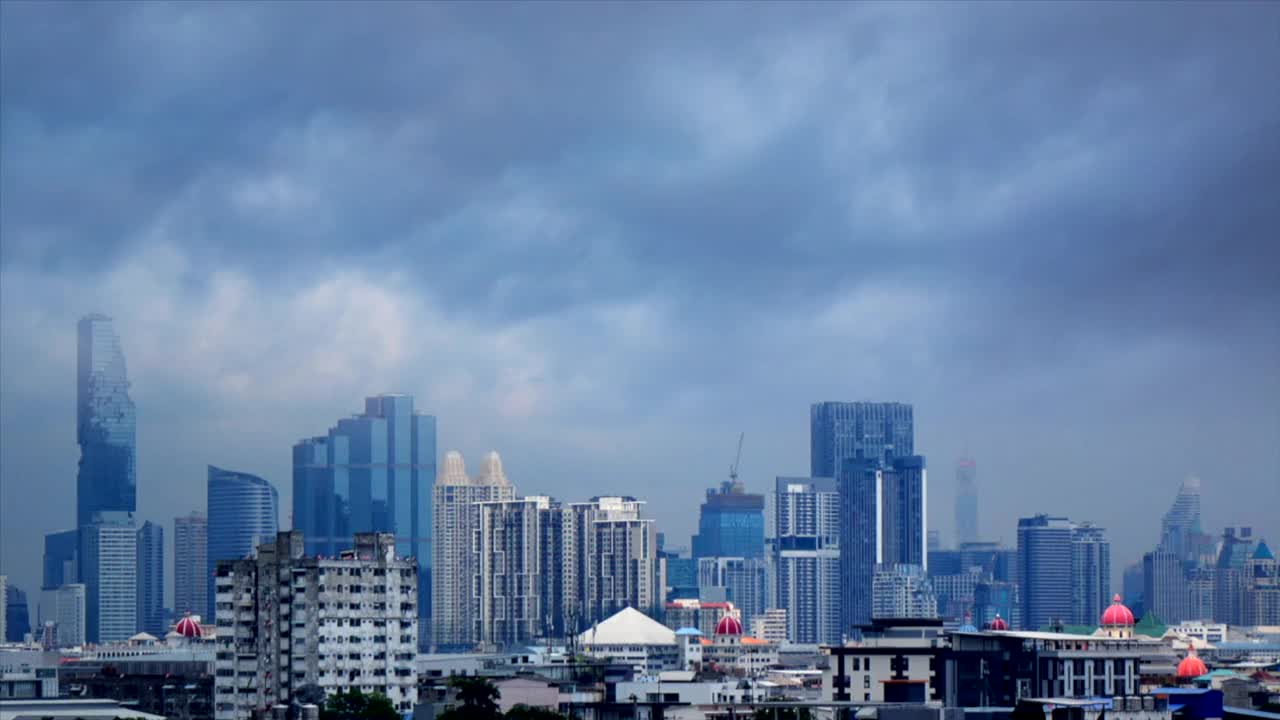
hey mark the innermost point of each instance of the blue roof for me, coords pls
(688, 631)
(1263, 552)
(1251, 713)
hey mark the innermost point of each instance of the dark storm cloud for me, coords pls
(617, 227)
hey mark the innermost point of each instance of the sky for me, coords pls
(606, 238)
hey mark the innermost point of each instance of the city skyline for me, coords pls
(1063, 262)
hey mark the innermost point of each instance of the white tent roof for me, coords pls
(628, 627)
(143, 637)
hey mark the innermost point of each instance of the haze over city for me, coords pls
(604, 240)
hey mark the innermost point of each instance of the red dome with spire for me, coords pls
(188, 627)
(1191, 666)
(1117, 614)
(728, 625)
(999, 623)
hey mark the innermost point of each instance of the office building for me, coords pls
(966, 501)
(1090, 573)
(105, 423)
(682, 576)
(288, 620)
(885, 523)
(1229, 578)
(1164, 587)
(1181, 524)
(4, 607)
(741, 581)
(771, 626)
(869, 430)
(108, 568)
(190, 563)
(955, 592)
(1045, 570)
(1262, 589)
(371, 473)
(730, 523)
(454, 523)
(805, 557)
(60, 565)
(997, 599)
(65, 607)
(150, 592)
(243, 513)
(902, 591)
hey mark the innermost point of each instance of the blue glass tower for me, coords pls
(243, 513)
(150, 599)
(60, 559)
(105, 423)
(372, 473)
(872, 430)
(730, 524)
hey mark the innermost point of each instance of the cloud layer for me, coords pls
(604, 239)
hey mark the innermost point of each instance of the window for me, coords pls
(857, 663)
(866, 682)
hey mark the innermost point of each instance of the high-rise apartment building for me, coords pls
(966, 501)
(741, 581)
(805, 557)
(243, 513)
(60, 566)
(105, 423)
(150, 581)
(513, 577)
(1044, 570)
(1165, 591)
(1090, 573)
(997, 599)
(108, 568)
(617, 558)
(190, 564)
(902, 591)
(730, 523)
(454, 524)
(287, 620)
(883, 523)
(371, 473)
(870, 430)
(1229, 576)
(1262, 589)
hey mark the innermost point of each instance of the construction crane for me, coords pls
(733, 469)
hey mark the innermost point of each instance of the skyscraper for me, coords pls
(1044, 570)
(60, 565)
(741, 581)
(371, 473)
(105, 423)
(108, 568)
(454, 522)
(730, 523)
(1165, 591)
(617, 557)
(966, 501)
(4, 608)
(883, 522)
(1182, 522)
(842, 430)
(65, 607)
(805, 557)
(243, 512)
(1090, 573)
(150, 591)
(903, 591)
(190, 563)
(511, 577)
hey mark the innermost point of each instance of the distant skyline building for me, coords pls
(872, 430)
(512, 577)
(455, 519)
(372, 472)
(730, 523)
(903, 591)
(190, 564)
(1044, 570)
(106, 423)
(243, 513)
(616, 557)
(805, 557)
(65, 608)
(1090, 573)
(108, 568)
(4, 607)
(741, 581)
(15, 612)
(966, 501)
(150, 581)
(1165, 590)
(1181, 524)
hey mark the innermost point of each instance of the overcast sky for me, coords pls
(604, 239)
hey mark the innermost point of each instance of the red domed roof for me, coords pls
(188, 627)
(728, 625)
(999, 623)
(1191, 666)
(1117, 614)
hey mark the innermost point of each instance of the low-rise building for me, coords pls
(633, 638)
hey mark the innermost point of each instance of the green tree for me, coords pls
(477, 698)
(524, 712)
(355, 705)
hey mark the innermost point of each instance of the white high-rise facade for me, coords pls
(805, 557)
(286, 620)
(902, 591)
(454, 524)
(109, 571)
(190, 563)
(64, 606)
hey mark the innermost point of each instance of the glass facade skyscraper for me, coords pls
(59, 559)
(1044, 570)
(105, 423)
(371, 473)
(873, 430)
(190, 562)
(730, 524)
(805, 558)
(243, 513)
(1090, 573)
(151, 579)
(966, 501)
